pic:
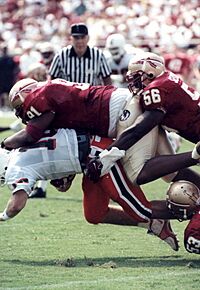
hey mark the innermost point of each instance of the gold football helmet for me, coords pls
(142, 69)
(19, 92)
(183, 199)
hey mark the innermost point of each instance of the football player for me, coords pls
(118, 58)
(59, 157)
(180, 63)
(94, 109)
(183, 200)
(192, 234)
(165, 100)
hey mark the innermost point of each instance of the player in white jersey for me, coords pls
(50, 158)
(118, 58)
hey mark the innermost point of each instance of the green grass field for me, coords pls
(49, 245)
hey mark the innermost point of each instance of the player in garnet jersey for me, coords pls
(96, 110)
(165, 100)
(180, 63)
(59, 103)
(192, 235)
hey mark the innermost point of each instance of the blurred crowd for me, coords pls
(165, 26)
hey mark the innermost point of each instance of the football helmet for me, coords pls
(38, 72)
(4, 160)
(19, 92)
(142, 69)
(47, 52)
(183, 199)
(115, 44)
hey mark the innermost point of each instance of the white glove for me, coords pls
(16, 126)
(2, 217)
(108, 158)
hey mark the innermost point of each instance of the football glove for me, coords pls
(101, 165)
(93, 169)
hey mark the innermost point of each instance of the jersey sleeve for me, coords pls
(40, 102)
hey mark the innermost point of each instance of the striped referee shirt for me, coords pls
(90, 68)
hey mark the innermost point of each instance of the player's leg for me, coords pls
(169, 166)
(134, 203)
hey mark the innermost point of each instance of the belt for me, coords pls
(83, 148)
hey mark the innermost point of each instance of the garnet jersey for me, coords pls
(77, 106)
(180, 103)
(179, 63)
(192, 235)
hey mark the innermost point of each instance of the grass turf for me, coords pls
(49, 245)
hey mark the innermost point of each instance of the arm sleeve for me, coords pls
(36, 127)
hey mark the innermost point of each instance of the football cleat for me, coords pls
(162, 229)
(38, 192)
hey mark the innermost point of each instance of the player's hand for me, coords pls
(93, 170)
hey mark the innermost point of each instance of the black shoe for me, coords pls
(38, 193)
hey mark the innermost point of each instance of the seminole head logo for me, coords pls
(125, 115)
(152, 62)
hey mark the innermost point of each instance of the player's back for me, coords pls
(179, 102)
(78, 106)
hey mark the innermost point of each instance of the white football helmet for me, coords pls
(183, 198)
(19, 92)
(38, 72)
(115, 44)
(4, 160)
(142, 69)
(47, 52)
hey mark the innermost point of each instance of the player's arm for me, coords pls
(144, 124)
(147, 121)
(15, 204)
(33, 131)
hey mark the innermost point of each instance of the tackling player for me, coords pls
(165, 100)
(94, 109)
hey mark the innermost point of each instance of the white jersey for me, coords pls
(52, 157)
(121, 67)
(119, 99)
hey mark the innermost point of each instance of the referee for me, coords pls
(79, 62)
